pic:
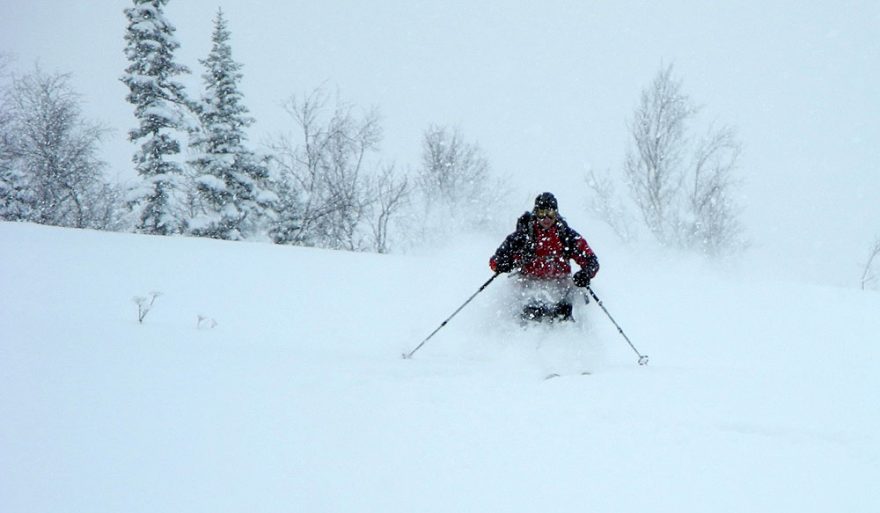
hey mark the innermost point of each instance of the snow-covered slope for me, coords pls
(760, 395)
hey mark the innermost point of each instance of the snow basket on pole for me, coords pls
(643, 358)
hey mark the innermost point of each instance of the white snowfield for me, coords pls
(270, 379)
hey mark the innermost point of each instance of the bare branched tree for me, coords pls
(682, 189)
(453, 171)
(713, 224)
(16, 196)
(325, 168)
(455, 186)
(653, 167)
(53, 152)
(605, 205)
(869, 275)
(391, 194)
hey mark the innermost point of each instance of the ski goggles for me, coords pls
(546, 212)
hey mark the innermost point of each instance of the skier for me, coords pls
(540, 249)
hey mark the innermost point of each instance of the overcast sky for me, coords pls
(546, 88)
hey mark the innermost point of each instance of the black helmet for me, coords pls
(546, 200)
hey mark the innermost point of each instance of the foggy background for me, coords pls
(546, 90)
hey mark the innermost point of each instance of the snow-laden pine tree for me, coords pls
(231, 181)
(160, 102)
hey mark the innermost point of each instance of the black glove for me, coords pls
(504, 266)
(581, 278)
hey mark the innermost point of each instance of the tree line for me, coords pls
(326, 186)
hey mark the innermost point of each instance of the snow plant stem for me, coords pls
(643, 359)
(407, 356)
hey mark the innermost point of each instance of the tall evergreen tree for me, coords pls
(160, 107)
(231, 181)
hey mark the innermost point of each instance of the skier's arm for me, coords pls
(507, 256)
(584, 256)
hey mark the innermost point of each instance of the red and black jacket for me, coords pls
(544, 253)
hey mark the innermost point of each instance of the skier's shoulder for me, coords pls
(522, 224)
(569, 234)
(563, 227)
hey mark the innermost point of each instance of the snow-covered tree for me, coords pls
(16, 197)
(682, 188)
(161, 106)
(231, 181)
(50, 172)
(289, 223)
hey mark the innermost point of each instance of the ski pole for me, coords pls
(643, 359)
(407, 356)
